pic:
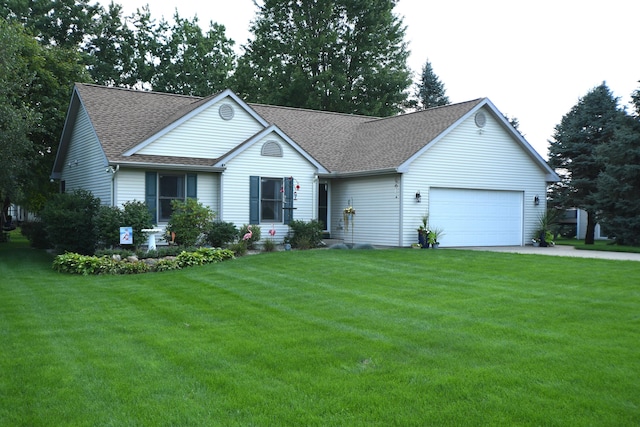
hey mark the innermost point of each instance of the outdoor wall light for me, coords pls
(536, 200)
(418, 197)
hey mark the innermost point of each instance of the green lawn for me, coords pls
(598, 245)
(396, 337)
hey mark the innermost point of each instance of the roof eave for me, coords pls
(168, 166)
(362, 173)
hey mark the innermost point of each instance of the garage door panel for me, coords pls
(477, 217)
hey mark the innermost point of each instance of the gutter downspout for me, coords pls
(401, 211)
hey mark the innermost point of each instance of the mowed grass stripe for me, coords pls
(335, 338)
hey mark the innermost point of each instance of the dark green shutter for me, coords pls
(254, 199)
(192, 185)
(288, 200)
(151, 194)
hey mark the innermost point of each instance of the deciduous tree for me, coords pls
(17, 118)
(339, 55)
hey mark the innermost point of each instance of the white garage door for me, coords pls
(477, 217)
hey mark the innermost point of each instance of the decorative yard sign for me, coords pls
(126, 235)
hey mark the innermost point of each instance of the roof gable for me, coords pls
(189, 112)
(259, 137)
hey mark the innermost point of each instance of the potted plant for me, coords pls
(434, 237)
(423, 232)
(543, 236)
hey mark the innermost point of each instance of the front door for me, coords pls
(323, 205)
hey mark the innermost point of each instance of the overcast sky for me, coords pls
(533, 59)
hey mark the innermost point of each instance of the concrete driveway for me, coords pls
(559, 250)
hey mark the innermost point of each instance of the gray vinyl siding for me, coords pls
(85, 164)
(235, 183)
(467, 158)
(206, 135)
(377, 204)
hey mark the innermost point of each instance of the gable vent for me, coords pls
(271, 149)
(226, 111)
(481, 119)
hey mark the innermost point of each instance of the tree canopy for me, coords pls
(16, 115)
(338, 55)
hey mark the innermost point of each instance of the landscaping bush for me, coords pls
(35, 232)
(239, 248)
(75, 263)
(305, 235)
(167, 265)
(133, 214)
(255, 234)
(190, 220)
(69, 221)
(269, 245)
(108, 223)
(220, 234)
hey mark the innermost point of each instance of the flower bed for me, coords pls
(95, 265)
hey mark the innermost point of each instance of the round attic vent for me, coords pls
(481, 119)
(226, 111)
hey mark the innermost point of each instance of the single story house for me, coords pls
(463, 164)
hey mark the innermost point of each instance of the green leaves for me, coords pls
(340, 56)
(190, 220)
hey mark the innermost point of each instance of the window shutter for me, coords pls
(254, 200)
(151, 194)
(192, 185)
(288, 200)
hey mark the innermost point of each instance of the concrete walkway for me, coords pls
(560, 250)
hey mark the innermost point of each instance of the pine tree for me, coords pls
(590, 124)
(430, 90)
(619, 182)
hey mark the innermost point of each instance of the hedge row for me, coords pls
(93, 265)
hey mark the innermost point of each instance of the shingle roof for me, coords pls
(349, 143)
(123, 118)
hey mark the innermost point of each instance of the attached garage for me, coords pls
(471, 217)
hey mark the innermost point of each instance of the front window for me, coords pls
(171, 187)
(271, 194)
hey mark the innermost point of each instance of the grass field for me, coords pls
(598, 245)
(395, 337)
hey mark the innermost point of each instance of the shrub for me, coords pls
(220, 234)
(255, 235)
(92, 265)
(189, 259)
(69, 220)
(135, 267)
(212, 255)
(108, 223)
(305, 234)
(269, 245)
(83, 264)
(190, 220)
(239, 248)
(35, 232)
(167, 265)
(135, 214)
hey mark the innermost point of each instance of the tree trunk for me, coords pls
(589, 237)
